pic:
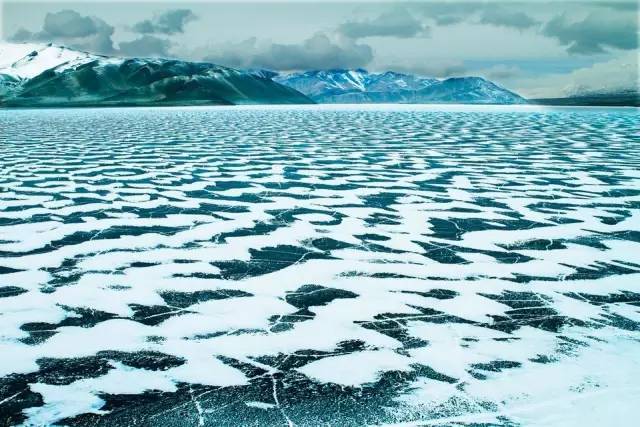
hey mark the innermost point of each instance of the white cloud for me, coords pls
(317, 52)
(616, 74)
(394, 23)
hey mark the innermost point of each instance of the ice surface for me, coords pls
(319, 265)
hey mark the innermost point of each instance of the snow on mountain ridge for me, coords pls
(360, 86)
(48, 75)
(19, 63)
(27, 60)
(322, 82)
(24, 61)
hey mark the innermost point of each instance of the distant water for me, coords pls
(319, 266)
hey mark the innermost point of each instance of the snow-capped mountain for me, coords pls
(49, 75)
(468, 90)
(351, 85)
(360, 86)
(27, 60)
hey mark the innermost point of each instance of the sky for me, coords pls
(538, 48)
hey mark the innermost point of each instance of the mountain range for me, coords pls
(46, 75)
(360, 86)
(629, 97)
(49, 75)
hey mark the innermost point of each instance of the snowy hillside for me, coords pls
(360, 86)
(325, 85)
(49, 75)
(27, 60)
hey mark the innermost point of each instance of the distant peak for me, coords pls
(467, 78)
(360, 86)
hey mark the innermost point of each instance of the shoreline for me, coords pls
(344, 107)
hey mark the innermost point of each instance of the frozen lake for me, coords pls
(320, 266)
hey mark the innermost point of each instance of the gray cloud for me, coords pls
(500, 17)
(146, 45)
(496, 14)
(629, 5)
(448, 13)
(594, 33)
(395, 23)
(316, 52)
(231, 54)
(501, 72)
(70, 28)
(24, 35)
(432, 68)
(617, 74)
(169, 22)
(69, 23)
(445, 20)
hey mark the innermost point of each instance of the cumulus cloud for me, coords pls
(501, 72)
(627, 5)
(146, 45)
(316, 52)
(169, 22)
(444, 68)
(620, 73)
(450, 13)
(70, 28)
(495, 14)
(595, 32)
(69, 23)
(441, 68)
(395, 23)
(230, 54)
(444, 20)
(501, 17)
